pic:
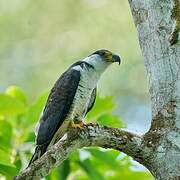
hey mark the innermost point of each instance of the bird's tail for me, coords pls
(39, 151)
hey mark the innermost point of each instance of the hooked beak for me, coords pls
(116, 58)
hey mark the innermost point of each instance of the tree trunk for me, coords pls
(158, 26)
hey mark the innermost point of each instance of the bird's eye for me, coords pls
(103, 53)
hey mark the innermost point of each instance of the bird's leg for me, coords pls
(77, 124)
(94, 122)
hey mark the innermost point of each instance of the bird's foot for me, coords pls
(93, 122)
(79, 125)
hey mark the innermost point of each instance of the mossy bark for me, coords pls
(158, 26)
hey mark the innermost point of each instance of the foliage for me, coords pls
(17, 122)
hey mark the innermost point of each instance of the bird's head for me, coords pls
(102, 58)
(107, 56)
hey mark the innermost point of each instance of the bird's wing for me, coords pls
(92, 100)
(58, 105)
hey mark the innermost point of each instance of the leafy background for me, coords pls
(17, 121)
(39, 40)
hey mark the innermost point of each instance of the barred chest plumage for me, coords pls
(88, 81)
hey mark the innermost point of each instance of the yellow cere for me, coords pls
(108, 56)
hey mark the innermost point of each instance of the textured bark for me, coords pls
(90, 135)
(158, 26)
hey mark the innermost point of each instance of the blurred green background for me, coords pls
(40, 39)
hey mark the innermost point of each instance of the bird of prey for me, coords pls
(71, 98)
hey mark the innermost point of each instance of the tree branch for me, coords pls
(90, 135)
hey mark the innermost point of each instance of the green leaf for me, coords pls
(30, 137)
(17, 93)
(5, 158)
(63, 170)
(74, 156)
(90, 170)
(130, 174)
(8, 171)
(5, 134)
(140, 176)
(110, 120)
(10, 105)
(107, 157)
(35, 110)
(18, 163)
(101, 105)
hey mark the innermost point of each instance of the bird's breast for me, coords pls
(83, 94)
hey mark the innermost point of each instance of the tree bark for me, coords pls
(90, 135)
(158, 26)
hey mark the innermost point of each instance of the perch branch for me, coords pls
(90, 135)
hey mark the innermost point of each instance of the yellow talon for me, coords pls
(78, 125)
